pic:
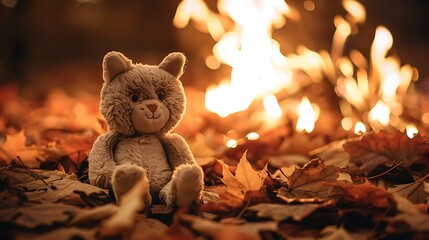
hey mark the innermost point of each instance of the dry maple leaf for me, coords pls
(384, 148)
(245, 179)
(56, 188)
(312, 181)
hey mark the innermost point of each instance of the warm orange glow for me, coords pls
(232, 143)
(307, 116)
(360, 128)
(252, 136)
(380, 113)
(347, 123)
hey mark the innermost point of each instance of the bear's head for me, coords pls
(138, 98)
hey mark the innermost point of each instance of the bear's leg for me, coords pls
(125, 176)
(185, 186)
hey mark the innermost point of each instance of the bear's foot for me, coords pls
(125, 177)
(188, 184)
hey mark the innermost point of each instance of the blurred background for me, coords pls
(46, 44)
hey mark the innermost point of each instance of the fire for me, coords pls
(258, 67)
(371, 91)
(307, 116)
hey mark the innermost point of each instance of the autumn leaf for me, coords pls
(245, 179)
(384, 148)
(410, 215)
(280, 212)
(32, 215)
(15, 145)
(365, 194)
(312, 181)
(414, 192)
(214, 230)
(56, 188)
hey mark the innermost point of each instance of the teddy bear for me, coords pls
(142, 104)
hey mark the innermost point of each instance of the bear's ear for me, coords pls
(115, 63)
(174, 63)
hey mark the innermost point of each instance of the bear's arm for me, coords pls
(177, 150)
(101, 165)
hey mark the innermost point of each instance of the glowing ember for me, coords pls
(307, 116)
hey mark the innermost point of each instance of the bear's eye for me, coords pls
(160, 95)
(134, 97)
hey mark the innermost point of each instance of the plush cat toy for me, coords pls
(142, 104)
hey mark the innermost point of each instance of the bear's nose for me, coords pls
(152, 107)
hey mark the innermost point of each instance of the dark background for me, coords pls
(50, 43)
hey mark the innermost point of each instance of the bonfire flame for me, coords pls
(371, 94)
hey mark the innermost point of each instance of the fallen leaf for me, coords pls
(410, 215)
(226, 203)
(245, 179)
(95, 214)
(221, 231)
(365, 194)
(312, 181)
(32, 215)
(250, 179)
(280, 212)
(384, 148)
(56, 188)
(414, 192)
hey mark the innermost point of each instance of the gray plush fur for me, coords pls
(142, 104)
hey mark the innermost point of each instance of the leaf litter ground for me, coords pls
(369, 187)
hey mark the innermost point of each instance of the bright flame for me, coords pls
(411, 130)
(307, 116)
(380, 113)
(258, 67)
(355, 9)
(272, 106)
(360, 128)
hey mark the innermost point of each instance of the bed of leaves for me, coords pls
(369, 187)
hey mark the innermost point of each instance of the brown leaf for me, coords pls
(32, 215)
(366, 194)
(250, 231)
(414, 192)
(312, 181)
(410, 215)
(228, 202)
(384, 148)
(280, 212)
(57, 187)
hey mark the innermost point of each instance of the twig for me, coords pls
(383, 173)
(31, 172)
(8, 165)
(244, 209)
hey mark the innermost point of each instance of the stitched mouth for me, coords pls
(153, 116)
